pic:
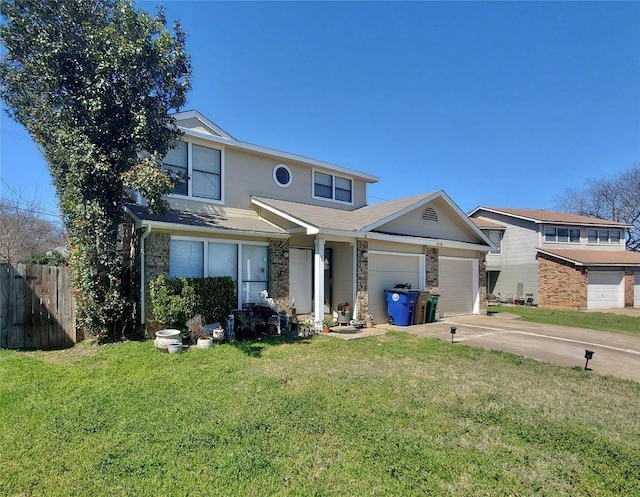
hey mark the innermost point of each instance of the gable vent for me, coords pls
(429, 215)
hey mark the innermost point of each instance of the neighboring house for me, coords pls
(564, 260)
(302, 230)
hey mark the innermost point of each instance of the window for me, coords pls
(199, 169)
(604, 237)
(282, 175)
(496, 238)
(332, 187)
(553, 234)
(198, 258)
(177, 162)
(255, 272)
(186, 258)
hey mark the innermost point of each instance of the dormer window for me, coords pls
(332, 187)
(199, 168)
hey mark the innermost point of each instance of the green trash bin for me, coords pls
(432, 305)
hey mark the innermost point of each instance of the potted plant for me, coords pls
(368, 319)
(198, 333)
(326, 325)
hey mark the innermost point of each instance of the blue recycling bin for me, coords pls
(400, 305)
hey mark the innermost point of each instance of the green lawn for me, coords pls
(393, 415)
(629, 325)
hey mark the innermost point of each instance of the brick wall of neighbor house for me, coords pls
(561, 284)
(432, 254)
(629, 280)
(279, 274)
(362, 280)
(156, 262)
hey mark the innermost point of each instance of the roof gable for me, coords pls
(194, 121)
(377, 217)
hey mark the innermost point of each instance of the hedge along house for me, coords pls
(302, 230)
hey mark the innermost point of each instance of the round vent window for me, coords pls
(282, 175)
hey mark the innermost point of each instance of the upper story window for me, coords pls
(496, 238)
(332, 187)
(282, 175)
(199, 169)
(604, 237)
(567, 235)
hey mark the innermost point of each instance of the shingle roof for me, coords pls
(596, 257)
(545, 216)
(484, 223)
(221, 219)
(343, 220)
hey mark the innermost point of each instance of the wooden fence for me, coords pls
(36, 307)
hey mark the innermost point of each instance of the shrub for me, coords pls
(217, 296)
(50, 259)
(175, 300)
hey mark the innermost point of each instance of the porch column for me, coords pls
(318, 285)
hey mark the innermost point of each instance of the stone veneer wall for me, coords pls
(431, 267)
(561, 284)
(629, 281)
(362, 280)
(156, 262)
(482, 282)
(279, 274)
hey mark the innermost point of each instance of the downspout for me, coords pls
(142, 291)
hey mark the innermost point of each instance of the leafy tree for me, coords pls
(93, 81)
(616, 199)
(22, 231)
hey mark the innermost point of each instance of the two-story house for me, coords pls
(563, 260)
(302, 229)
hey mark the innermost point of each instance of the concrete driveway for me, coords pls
(614, 354)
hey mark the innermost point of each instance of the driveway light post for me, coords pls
(588, 354)
(453, 332)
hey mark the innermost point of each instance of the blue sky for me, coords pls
(503, 104)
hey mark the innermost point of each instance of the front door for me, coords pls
(301, 279)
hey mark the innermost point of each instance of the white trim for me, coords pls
(318, 283)
(275, 178)
(428, 242)
(311, 230)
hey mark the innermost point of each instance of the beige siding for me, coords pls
(342, 274)
(195, 125)
(248, 174)
(448, 226)
(395, 247)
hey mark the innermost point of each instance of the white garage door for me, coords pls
(387, 271)
(456, 286)
(636, 291)
(605, 290)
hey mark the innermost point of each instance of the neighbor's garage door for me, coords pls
(636, 291)
(387, 271)
(605, 289)
(455, 283)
